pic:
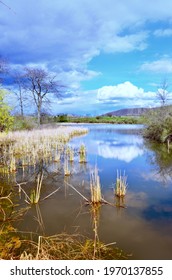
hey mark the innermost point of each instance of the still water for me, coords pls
(143, 226)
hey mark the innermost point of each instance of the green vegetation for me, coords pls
(158, 124)
(82, 154)
(24, 123)
(99, 119)
(9, 239)
(6, 120)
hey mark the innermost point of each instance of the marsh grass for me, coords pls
(36, 193)
(71, 154)
(95, 187)
(121, 184)
(67, 171)
(9, 239)
(57, 156)
(12, 164)
(27, 148)
(82, 154)
(69, 247)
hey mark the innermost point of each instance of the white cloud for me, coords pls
(126, 154)
(124, 90)
(74, 76)
(68, 34)
(64, 36)
(163, 32)
(163, 65)
(126, 43)
(157, 177)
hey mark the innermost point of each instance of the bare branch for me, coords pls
(162, 92)
(41, 84)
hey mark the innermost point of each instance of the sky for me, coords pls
(110, 54)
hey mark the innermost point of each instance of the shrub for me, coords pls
(24, 123)
(63, 118)
(6, 120)
(159, 124)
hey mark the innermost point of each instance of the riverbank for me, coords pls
(100, 119)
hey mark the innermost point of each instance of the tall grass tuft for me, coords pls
(27, 148)
(82, 154)
(69, 247)
(71, 155)
(36, 193)
(95, 187)
(67, 171)
(121, 184)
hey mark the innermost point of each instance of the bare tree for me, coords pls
(162, 92)
(20, 91)
(41, 84)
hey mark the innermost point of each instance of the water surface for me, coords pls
(144, 227)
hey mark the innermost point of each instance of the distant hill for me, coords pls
(128, 112)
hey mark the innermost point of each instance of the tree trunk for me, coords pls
(39, 116)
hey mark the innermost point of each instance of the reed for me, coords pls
(28, 147)
(71, 155)
(36, 193)
(121, 184)
(82, 154)
(65, 246)
(67, 171)
(95, 187)
(57, 156)
(12, 165)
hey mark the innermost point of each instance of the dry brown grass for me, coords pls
(121, 184)
(69, 247)
(95, 187)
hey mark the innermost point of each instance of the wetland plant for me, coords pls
(67, 171)
(12, 165)
(71, 155)
(121, 184)
(82, 154)
(28, 147)
(57, 156)
(95, 187)
(36, 193)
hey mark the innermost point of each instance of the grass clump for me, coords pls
(82, 154)
(29, 147)
(95, 187)
(67, 171)
(121, 184)
(36, 193)
(69, 247)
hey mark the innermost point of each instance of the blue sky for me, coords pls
(110, 54)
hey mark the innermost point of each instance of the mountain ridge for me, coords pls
(128, 112)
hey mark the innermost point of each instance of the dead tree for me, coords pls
(42, 85)
(162, 93)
